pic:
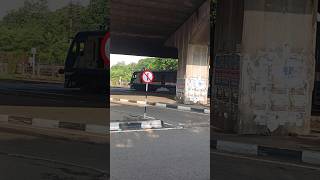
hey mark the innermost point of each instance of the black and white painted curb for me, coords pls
(163, 105)
(46, 123)
(305, 156)
(136, 125)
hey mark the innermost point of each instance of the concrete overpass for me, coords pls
(166, 28)
(263, 57)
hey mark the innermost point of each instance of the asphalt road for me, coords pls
(225, 166)
(52, 101)
(161, 154)
(28, 157)
(48, 94)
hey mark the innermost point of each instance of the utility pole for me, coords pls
(33, 52)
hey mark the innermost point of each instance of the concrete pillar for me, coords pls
(192, 41)
(271, 51)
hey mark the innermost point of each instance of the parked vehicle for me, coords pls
(84, 66)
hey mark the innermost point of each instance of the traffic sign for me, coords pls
(105, 49)
(147, 76)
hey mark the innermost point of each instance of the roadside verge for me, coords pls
(54, 128)
(251, 149)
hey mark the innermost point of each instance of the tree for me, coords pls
(155, 64)
(34, 25)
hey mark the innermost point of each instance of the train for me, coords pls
(85, 67)
(164, 81)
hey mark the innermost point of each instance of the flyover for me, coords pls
(170, 29)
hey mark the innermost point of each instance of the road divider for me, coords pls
(163, 105)
(46, 123)
(306, 156)
(136, 125)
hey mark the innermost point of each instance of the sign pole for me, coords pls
(147, 77)
(145, 103)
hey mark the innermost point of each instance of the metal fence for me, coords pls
(4, 68)
(26, 71)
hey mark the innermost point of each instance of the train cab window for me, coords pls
(74, 50)
(81, 48)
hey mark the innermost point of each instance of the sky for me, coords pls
(116, 58)
(7, 5)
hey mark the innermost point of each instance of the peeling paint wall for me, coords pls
(277, 66)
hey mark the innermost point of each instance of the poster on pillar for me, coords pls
(196, 90)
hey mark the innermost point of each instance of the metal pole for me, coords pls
(145, 103)
(33, 64)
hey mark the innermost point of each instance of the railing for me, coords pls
(25, 71)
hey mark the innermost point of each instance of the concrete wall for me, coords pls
(192, 40)
(277, 56)
(277, 66)
(228, 36)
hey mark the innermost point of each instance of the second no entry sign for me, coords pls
(105, 48)
(147, 76)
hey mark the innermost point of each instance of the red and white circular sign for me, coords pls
(147, 76)
(105, 49)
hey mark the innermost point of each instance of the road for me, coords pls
(162, 154)
(49, 94)
(225, 166)
(52, 101)
(36, 158)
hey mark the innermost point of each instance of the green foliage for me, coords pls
(122, 71)
(34, 25)
(154, 64)
(157, 64)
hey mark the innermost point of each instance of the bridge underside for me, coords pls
(141, 27)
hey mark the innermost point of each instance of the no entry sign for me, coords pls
(147, 76)
(105, 49)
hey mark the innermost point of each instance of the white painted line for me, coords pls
(141, 102)
(146, 130)
(151, 124)
(124, 100)
(235, 147)
(97, 129)
(207, 111)
(264, 160)
(45, 123)
(311, 157)
(184, 108)
(4, 118)
(114, 126)
(161, 105)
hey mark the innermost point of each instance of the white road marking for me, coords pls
(146, 130)
(266, 161)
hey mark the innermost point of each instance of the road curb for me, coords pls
(164, 105)
(56, 124)
(305, 156)
(136, 125)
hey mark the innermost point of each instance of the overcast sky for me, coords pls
(7, 5)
